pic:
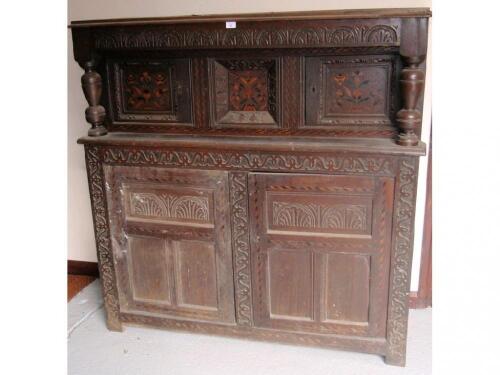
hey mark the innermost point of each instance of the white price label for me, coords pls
(231, 25)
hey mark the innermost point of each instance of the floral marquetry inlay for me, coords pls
(299, 215)
(248, 90)
(351, 90)
(147, 91)
(169, 206)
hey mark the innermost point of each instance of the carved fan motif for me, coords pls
(319, 216)
(169, 206)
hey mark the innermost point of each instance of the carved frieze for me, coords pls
(380, 165)
(272, 37)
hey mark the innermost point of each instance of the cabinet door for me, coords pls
(170, 233)
(320, 252)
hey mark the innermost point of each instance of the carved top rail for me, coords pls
(349, 73)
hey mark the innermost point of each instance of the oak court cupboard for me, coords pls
(255, 175)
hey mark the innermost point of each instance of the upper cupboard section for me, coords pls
(248, 93)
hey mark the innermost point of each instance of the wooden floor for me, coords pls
(76, 283)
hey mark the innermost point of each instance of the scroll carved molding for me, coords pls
(278, 36)
(241, 247)
(404, 212)
(102, 236)
(251, 160)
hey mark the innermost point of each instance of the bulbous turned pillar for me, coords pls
(409, 117)
(413, 50)
(92, 88)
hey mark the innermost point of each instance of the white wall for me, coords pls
(80, 233)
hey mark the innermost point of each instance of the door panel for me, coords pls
(290, 297)
(320, 252)
(347, 287)
(171, 240)
(196, 274)
(149, 267)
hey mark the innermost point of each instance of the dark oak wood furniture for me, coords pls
(257, 181)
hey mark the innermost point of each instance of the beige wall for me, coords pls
(80, 233)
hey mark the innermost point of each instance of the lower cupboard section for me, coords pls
(293, 258)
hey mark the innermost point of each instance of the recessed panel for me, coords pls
(347, 287)
(245, 92)
(149, 267)
(290, 284)
(196, 274)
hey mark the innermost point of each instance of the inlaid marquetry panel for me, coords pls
(350, 91)
(244, 92)
(150, 91)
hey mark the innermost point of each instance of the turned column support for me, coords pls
(413, 50)
(92, 88)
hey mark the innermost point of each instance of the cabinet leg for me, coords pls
(395, 360)
(114, 324)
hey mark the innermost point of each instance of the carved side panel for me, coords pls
(350, 91)
(245, 92)
(150, 91)
(238, 189)
(401, 259)
(102, 237)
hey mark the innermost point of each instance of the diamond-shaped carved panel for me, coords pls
(245, 93)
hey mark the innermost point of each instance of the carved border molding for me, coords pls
(401, 259)
(278, 36)
(102, 237)
(241, 247)
(247, 160)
